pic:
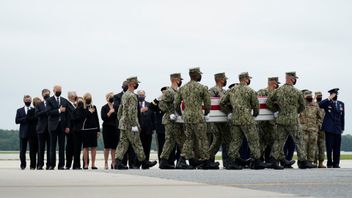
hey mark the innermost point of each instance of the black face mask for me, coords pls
(199, 78)
(136, 86)
(276, 86)
(125, 88)
(111, 99)
(80, 104)
(28, 104)
(57, 94)
(334, 98)
(319, 99)
(88, 101)
(141, 98)
(309, 99)
(46, 97)
(249, 82)
(179, 83)
(225, 83)
(294, 82)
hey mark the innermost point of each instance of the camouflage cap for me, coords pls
(335, 90)
(318, 93)
(276, 79)
(304, 90)
(293, 74)
(164, 88)
(220, 76)
(244, 75)
(195, 70)
(176, 75)
(308, 93)
(133, 79)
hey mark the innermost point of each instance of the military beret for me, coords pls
(292, 74)
(164, 88)
(133, 79)
(220, 76)
(176, 75)
(335, 90)
(308, 93)
(318, 93)
(276, 79)
(195, 70)
(244, 75)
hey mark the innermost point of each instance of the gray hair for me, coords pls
(140, 92)
(71, 94)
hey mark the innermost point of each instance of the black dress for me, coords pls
(110, 131)
(90, 128)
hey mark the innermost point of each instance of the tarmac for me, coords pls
(173, 183)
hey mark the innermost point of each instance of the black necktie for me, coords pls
(58, 101)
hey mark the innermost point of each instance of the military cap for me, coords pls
(292, 74)
(163, 89)
(195, 70)
(276, 79)
(133, 79)
(220, 76)
(176, 75)
(318, 93)
(308, 93)
(335, 90)
(244, 75)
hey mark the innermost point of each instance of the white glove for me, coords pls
(229, 117)
(276, 114)
(207, 118)
(173, 117)
(135, 129)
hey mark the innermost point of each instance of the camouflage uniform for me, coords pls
(309, 120)
(288, 102)
(194, 96)
(242, 100)
(173, 131)
(128, 116)
(320, 156)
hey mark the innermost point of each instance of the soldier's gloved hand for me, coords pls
(207, 118)
(173, 117)
(229, 117)
(135, 129)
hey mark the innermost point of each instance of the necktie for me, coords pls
(58, 101)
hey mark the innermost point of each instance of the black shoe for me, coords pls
(164, 164)
(85, 168)
(234, 165)
(209, 165)
(51, 168)
(305, 165)
(258, 165)
(148, 164)
(68, 168)
(336, 166)
(181, 164)
(286, 163)
(40, 168)
(120, 166)
(61, 168)
(275, 165)
(194, 163)
(23, 167)
(76, 168)
(94, 168)
(32, 168)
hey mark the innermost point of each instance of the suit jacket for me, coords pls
(75, 115)
(334, 120)
(117, 100)
(52, 108)
(146, 119)
(42, 116)
(23, 120)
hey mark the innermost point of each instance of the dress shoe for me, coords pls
(164, 164)
(148, 164)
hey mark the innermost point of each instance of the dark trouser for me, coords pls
(244, 150)
(289, 148)
(160, 144)
(69, 149)
(333, 145)
(44, 138)
(225, 154)
(146, 140)
(77, 147)
(57, 136)
(23, 150)
(130, 156)
(33, 151)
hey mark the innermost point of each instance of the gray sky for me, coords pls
(92, 46)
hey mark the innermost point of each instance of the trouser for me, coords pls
(196, 142)
(244, 149)
(333, 146)
(283, 131)
(174, 135)
(69, 149)
(127, 137)
(146, 139)
(77, 148)
(310, 140)
(220, 133)
(57, 136)
(33, 151)
(23, 150)
(238, 133)
(289, 149)
(267, 131)
(44, 139)
(320, 155)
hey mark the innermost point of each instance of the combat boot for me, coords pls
(164, 164)
(120, 166)
(258, 165)
(286, 163)
(234, 165)
(275, 165)
(321, 164)
(181, 164)
(208, 164)
(147, 164)
(305, 164)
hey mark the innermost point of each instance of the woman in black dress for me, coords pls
(110, 131)
(90, 130)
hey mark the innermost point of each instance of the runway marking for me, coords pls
(290, 184)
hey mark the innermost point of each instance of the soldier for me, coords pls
(173, 131)
(243, 100)
(129, 126)
(320, 154)
(194, 95)
(219, 131)
(309, 120)
(288, 102)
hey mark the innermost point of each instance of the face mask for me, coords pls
(80, 103)
(141, 98)
(319, 99)
(249, 82)
(179, 83)
(57, 94)
(294, 82)
(276, 86)
(76, 98)
(334, 98)
(136, 86)
(225, 83)
(88, 101)
(309, 99)
(125, 88)
(46, 97)
(27, 104)
(111, 99)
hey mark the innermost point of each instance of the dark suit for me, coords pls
(333, 125)
(43, 135)
(57, 122)
(146, 121)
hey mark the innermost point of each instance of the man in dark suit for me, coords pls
(333, 125)
(42, 131)
(147, 123)
(23, 118)
(58, 125)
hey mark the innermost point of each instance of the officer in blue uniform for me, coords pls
(333, 125)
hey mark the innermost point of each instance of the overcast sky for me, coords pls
(92, 46)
